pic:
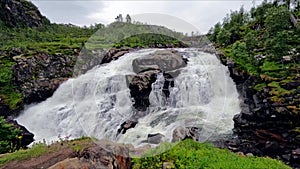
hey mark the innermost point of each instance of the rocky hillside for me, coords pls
(261, 50)
(21, 13)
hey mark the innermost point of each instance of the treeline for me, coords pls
(126, 34)
(262, 38)
(149, 40)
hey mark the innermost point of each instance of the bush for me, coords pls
(9, 140)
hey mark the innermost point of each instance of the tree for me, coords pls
(119, 18)
(223, 37)
(128, 18)
(251, 40)
(259, 13)
(214, 32)
(277, 20)
(278, 45)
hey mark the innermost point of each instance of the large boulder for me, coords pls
(181, 133)
(164, 60)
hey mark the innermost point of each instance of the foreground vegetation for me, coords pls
(191, 154)
(9, 140)
(185, 154)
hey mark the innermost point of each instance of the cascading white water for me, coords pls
(98, 102)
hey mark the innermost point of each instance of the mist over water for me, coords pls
(98, 102)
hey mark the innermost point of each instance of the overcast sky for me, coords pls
(202, 14)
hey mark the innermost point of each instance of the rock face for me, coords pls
(167, 62)
(88, 59)
(140, 88)
(264, 126)
(39, 76)
(154, 138)
(21, 13)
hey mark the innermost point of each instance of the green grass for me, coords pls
(40, 149)
(191, 154)
(270, 66)
(259, 87)
(277, 90)
(36, 151)
(7, 91)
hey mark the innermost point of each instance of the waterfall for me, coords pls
(98, 102)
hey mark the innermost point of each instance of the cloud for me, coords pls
(74, 12)
(201, 14)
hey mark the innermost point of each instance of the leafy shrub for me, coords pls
(9, 140)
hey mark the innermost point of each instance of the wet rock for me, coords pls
(154, 138)
(140, 88)
(164, 60)
(127, 125)
(181, 133)
(114, 54)
(26, 136)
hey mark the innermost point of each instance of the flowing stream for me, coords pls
(98, 102)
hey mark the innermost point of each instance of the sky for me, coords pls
(182, 16)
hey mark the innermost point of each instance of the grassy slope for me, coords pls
(42, 149)
(191, 154)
